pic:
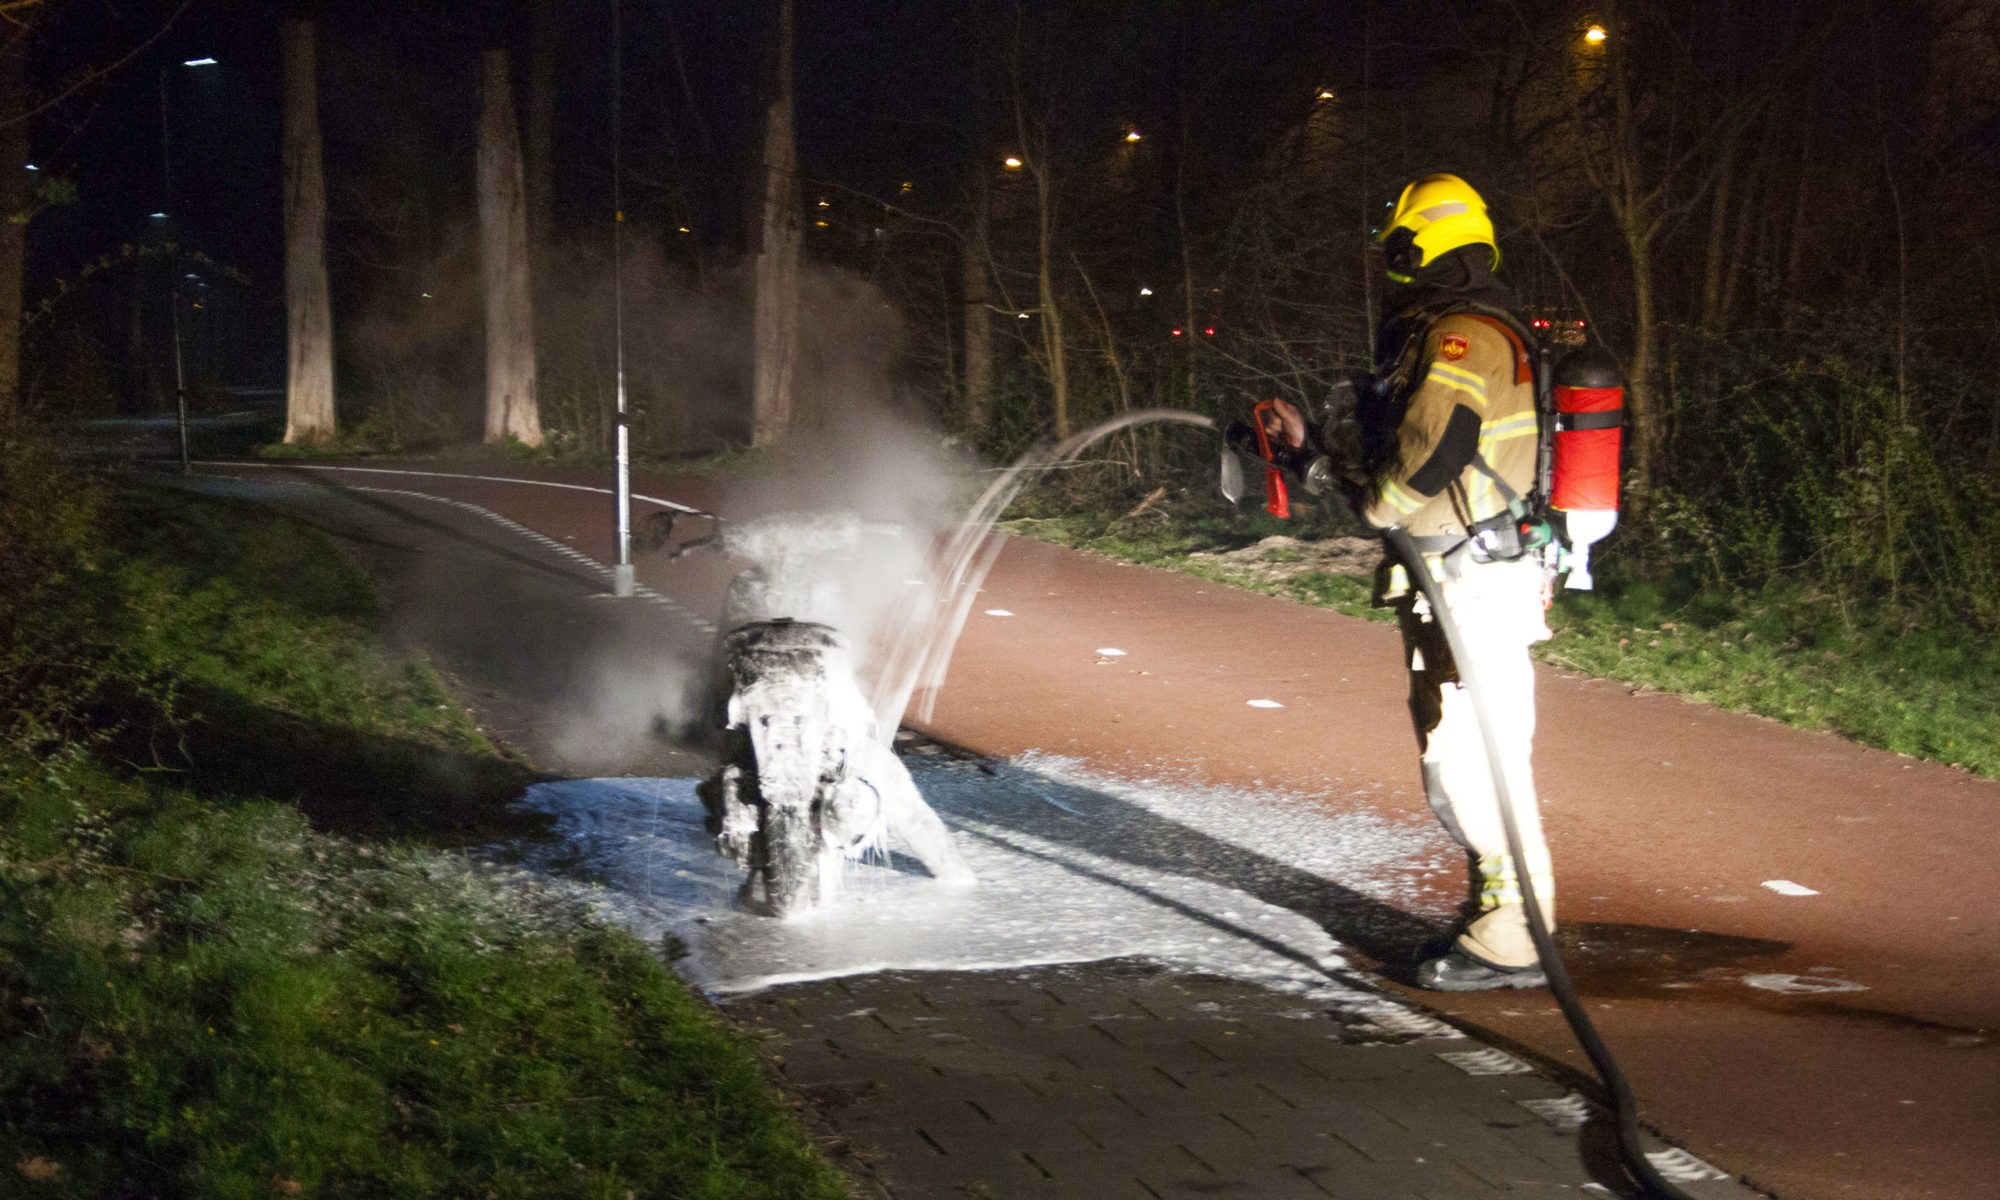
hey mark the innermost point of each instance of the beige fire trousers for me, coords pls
(1499, 612)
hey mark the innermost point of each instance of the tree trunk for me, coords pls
(1795, 250)
(776, 326)
(978, 319)
(14, 205)
(511, 410)
(1715, 264)
(1640, 398)
(1054, 348)
(1752, 197)
(1185, 241)
(308, 310)
(978, 288)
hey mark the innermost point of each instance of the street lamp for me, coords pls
(1595, 34)
(624, 575)
(174, 288)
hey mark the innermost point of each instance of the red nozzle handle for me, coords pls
(1277, 501)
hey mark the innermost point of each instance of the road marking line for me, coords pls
(1801, 985)
(1678, 1166)
(1486, 1062)
(1395, 1018)
(575, 487)
(1263, 704)
(1567, 1113)
(569, 552)
(1785, 887)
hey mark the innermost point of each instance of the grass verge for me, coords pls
(1780, 651)
(202, 994)
(1175, 544)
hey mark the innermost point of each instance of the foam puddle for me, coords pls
(1072, 867)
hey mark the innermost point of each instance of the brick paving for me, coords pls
(1126, 1080)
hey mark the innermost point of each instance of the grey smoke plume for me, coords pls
(862, 446)
(862, 442)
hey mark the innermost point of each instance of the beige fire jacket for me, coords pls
(1474, 393)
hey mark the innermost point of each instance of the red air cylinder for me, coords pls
(1590, 408)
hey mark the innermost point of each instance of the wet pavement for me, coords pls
(1830, 1039)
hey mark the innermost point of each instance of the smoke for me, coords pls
(861, 445)
(632, 695)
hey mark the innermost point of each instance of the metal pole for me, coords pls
(622, 575)
(173, 279)
(180, 373)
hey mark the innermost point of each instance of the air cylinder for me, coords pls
(1590, 412)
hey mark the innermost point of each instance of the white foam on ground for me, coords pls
(1072, 867)
(1785, 887)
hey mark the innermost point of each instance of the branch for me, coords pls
(93, 76)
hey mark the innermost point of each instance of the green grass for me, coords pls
(1782, 652)
(1169, 541)
(1779, 651)
(210, 989)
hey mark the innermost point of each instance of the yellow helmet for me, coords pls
(1436, 215)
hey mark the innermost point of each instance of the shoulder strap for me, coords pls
(1524, 363)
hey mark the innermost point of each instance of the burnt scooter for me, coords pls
(807, 780)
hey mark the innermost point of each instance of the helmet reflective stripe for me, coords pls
(1435, 215)
(1450, 208)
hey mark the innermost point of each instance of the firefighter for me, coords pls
(1457, 444)
(1459, 368)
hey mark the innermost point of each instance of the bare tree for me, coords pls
(1654, 144)
(776, 324)
(309, 413)
(1037, 157)
(511, 410)
(14, 204)
(975, 249)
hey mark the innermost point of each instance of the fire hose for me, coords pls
(1624, 1107)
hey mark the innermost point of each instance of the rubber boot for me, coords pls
(1457, 971)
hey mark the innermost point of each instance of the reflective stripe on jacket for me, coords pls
(1474, 393)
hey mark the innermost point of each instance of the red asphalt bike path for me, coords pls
(1874, 1075)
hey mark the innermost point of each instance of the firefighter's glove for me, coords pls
(1297, 461)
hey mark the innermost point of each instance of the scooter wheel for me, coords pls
(791, 862)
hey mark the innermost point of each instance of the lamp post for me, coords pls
(173, 262)
(623, 577)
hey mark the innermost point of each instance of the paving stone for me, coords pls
(1119, 1080)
